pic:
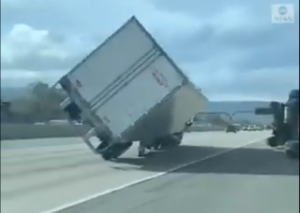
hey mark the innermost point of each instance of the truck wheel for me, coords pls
(115, 150)
(107, 156)
(172, 141)
(291, 154)
(101, 146)
(272, 142)
(177, 140)
(156, 145)
(179, 136)
(292, 149)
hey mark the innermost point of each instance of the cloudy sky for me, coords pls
(230, 49)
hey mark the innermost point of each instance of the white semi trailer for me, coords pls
(128, 89)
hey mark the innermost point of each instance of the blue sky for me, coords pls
(230, 49)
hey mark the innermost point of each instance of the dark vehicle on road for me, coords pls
(231, 128)
(285, 124)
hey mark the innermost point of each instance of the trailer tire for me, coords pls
(292, 149)
(177, 140)
(179, 136)
(101, 146)
(272, 142)
(157, 144)
(116, 150)
(107, 156)
(291, 154)
(172, 141)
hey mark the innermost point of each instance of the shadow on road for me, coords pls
(251, 161)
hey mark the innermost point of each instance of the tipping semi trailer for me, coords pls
(128, 89)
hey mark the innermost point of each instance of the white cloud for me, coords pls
(225, 49)
(21, 43)
(23, 40)
(35, 52)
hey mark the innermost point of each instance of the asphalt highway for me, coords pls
(58, 175)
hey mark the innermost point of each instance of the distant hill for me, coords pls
(8, 94)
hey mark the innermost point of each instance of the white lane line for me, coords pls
(83, 200)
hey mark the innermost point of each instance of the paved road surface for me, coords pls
(233, 182)
(249, 178)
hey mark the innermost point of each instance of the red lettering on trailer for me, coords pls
(78, 83)
(106, 119)
(160, 78)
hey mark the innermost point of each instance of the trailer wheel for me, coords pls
(172, 141)
(107, 156)
(157, 144)
(116, 150)
(292, 149)
(291, 154)
(272, 142)
(177, 139)
(179, 136)
(101, 146)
